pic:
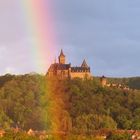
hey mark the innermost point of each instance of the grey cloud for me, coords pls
(105, 32)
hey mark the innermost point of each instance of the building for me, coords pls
(104, 82)
(63, 70)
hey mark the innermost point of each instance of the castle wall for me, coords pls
(62, 70)
(50, 74)
(59, 73)
(63, 73)
(68, 74)
(80, 75)
(62, 60)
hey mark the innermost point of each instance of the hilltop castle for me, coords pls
(63, 70)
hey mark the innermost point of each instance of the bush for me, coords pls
(10, 135)
(114, 136)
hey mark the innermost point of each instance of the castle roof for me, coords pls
(61, 53)
(84, 64)
(58, 66)
(103, 77)
(79, 69)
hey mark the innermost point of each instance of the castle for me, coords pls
(63, 70)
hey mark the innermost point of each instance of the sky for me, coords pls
(104, 32)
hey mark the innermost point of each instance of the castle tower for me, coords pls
(84, 64)
(103, 81)
(61, 57)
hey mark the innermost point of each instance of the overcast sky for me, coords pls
(104, 32)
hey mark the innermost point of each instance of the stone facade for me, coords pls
(63, 70)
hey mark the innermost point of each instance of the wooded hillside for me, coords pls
(32, 101)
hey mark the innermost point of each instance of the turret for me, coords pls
(84, 64)
(61, 57)
(103, 81)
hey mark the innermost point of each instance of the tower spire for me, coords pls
(61, 57)
(61, 53)
(84, 64)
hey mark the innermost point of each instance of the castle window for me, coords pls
(63, 72)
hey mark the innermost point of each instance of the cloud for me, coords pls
(10, 70)
(106, 33)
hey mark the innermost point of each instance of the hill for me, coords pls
(78, 106)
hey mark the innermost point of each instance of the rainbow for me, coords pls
(38, 26)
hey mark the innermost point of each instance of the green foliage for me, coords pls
(78, 106)
(114, 136)
(83, 137)
(133, 83)
(18, 136)
(20, 102)
(87, 123)
(5, 121)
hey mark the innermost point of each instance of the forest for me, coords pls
(32, 101)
